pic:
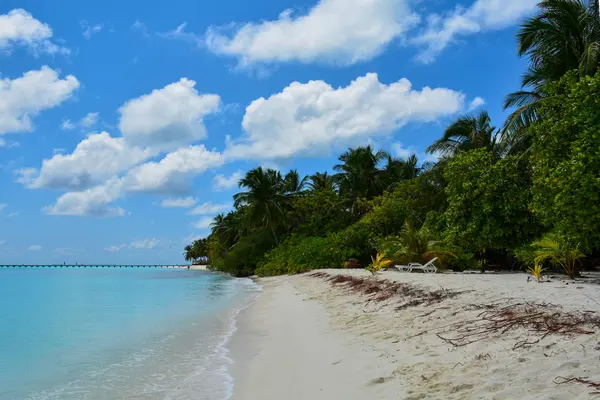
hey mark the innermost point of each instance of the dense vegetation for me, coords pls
(525, 194)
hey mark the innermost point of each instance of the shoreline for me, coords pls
(305, 339)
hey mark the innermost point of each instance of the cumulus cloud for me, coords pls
(34, 247)
(222, 182)
(172, 173)
(311, 117)
(476, 103)
(169, 116)
(178, 202)
(333, 31)
(144, 244)
(95, 159)
(210, 208)
(93, 202)
(20, 28)
(481, 16)
(25, 97)
(203, 223)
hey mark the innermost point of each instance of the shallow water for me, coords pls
(117, 333)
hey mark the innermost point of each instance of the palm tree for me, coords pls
(294, 185)
(189, 253)
(228, 228)
(466, 133)
(398, 169)
(563, 36)
(415, 245)
(358, 173)
(558, 251)
(321, 182)
(265, 199)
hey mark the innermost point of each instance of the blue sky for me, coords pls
(124, 126)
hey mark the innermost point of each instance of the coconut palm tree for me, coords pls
(563, 36)
(189, 253)
(265, 199)
(466, 133)
(293, 184)
(358, 172)
(228, 228)
(321, 182)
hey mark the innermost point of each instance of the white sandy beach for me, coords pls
(304, 339)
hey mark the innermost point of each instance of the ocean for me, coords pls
(112, 333)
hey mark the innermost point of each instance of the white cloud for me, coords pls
(25, 97)
(181, 34)
(481, 16)
(399, 150)
(204, 223)
(209, 208)
(476, 103)
(169, 116)
(12, 214)
(222, 182)
(20, 28)
(89, 120)
(403, 152)
(92, 202)
(2, 207)
(67, 125)
(34, 247)
(95, 159)
(89, 30)
(333, 31)
(86, 122)
(140, 26)
(114, 249)
(144, 244)
(172, 173)
(178, 202)
(312, 117)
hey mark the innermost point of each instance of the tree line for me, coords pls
(524, 194)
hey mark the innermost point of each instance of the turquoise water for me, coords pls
(117, 333)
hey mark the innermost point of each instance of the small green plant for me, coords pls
(378, 263)
(536, 271)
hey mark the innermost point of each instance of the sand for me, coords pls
(304, 339)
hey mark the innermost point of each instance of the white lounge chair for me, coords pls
(427, 268)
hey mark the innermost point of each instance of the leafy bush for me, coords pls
(243, 258)
(566, 174)
(488, 202)
(300, 254)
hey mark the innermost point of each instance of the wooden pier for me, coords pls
(91, 266)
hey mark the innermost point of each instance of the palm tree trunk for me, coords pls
(275, 236)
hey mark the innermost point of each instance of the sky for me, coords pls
(125, 126)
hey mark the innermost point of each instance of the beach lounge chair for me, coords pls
(427, 268)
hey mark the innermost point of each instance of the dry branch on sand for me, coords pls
(595, 385)
(381, 290)
(538, 320)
